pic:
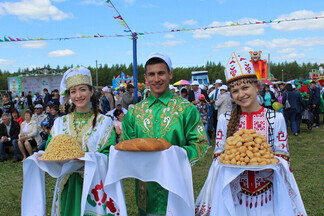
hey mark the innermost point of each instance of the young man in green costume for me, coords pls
(163, 115)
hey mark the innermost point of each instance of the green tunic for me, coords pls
(79, 125)
(177, 121)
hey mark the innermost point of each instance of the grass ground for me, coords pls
(307, 162)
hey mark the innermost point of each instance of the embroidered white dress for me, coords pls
(252, 191)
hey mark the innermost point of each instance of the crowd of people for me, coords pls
(305, 99)
(189, 117)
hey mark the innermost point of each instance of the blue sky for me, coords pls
(302, 41)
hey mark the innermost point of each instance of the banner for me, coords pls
(13, 85)
(38, 83)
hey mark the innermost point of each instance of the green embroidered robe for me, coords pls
(177, 121)
(68, 190)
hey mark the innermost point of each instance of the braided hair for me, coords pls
(235, 118)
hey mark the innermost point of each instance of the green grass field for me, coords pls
(307, 162)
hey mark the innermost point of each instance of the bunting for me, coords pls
(132, 34)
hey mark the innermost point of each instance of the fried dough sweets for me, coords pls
(246, 147)
(62, 147)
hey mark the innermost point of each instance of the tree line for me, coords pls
(285, 70)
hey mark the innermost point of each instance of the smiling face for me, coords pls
(80, 96)
(158, 78)
(245, 95)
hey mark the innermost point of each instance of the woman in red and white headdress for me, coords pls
(249, 192)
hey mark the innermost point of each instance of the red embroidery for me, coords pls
(219, 134)
(232, 62)
(282, 137)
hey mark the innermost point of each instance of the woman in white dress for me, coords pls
(252, 192)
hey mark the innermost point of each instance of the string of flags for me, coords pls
(135, 34)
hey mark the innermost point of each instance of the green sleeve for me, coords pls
(128, 127)
(111, 141)
(48, 140)
(195, 134)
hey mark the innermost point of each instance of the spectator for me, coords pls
(195, 92)
(268, 97)
(146, 93)
(184, 93)
(119, 115)
(29, 136)
(7, 104)
(16, 117)
(203, 109)
(44, 134)
(39, 116)
(21, 102)
(38, 99)
(55, 113)
(16, 101)
(281, 91)
(47, 97)
(214, 95)
(176, 91)
(104, 106)
(30, 104)
(128, 97)
(224, 102)
(315, 102)
(56, 97)
(118, 107)
(111, 99)
(9, 131)
(290, 113)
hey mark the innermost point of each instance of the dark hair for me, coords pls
(117, 112)
(313, 82)
(50, 105)
(56, 108)
(234, 121)
(15, 110)
(94, 102)
(5, 95)
(29, 112)
(154, 61)
(45, 89)
(288, 87)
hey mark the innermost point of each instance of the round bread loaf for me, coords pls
(143, 144)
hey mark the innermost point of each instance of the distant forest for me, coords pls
(282, 71)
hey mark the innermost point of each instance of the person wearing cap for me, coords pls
(39, 116)
(128, 97)
(118, 106)
(195, 92)
(163, 115)
(90, 129)
(44, 134)
(249, 192)
(172, 89)
(38, 99)
(224, 102)
(210, 89)
(184, 93)
(104, 105)
(214, 95)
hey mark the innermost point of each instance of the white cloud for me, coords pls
(190, 22)
(59, 53)
(288, 43)
(34, 9)
(290, 57)
(93, 2)
(129, 53)
(169, 36)
(129, 1)
(167, 43)
(287, 50)
(170, 25)
(228, 44)
(6, 62)
(224, 28)
(311, 24)
(244, 49)
(34, 45)
(59, 0)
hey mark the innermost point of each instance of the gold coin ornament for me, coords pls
(246, 147)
